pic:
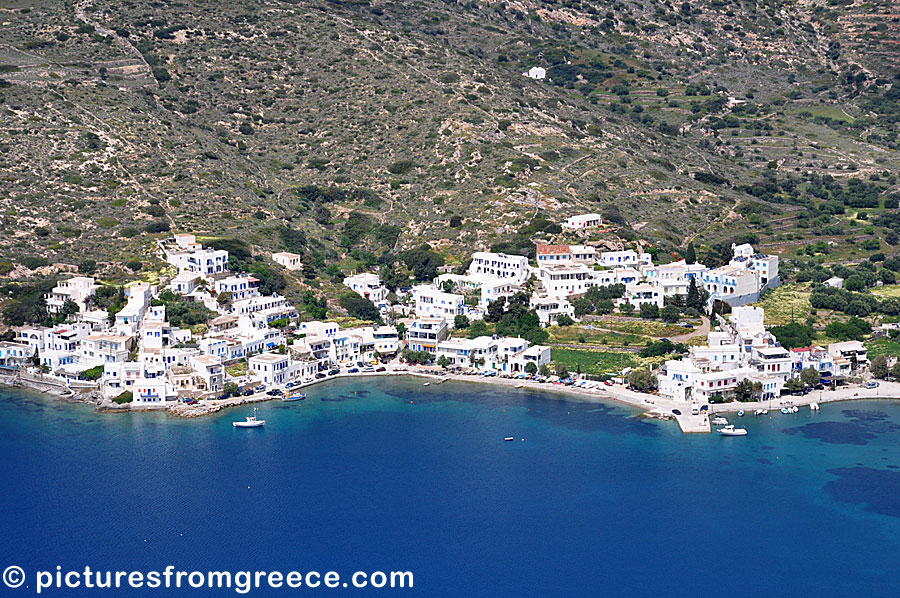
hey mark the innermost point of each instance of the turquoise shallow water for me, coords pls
(385, 474)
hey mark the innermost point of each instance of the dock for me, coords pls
(693, 424)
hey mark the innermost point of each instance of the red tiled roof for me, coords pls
(552, 249)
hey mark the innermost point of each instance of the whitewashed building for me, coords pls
(549, 309)
(552, 254)
(429, 302)
(238, 286)
(628, 257)
(270, 368)
(741, 350)
(77, 290)
(536, 72)
(744, 278)
(674, 278)
(499, 265)
(289, 260)
(583, 222)
(640, 293)
(369, 286)
(561, 280)
(15, 355)
(425, 333)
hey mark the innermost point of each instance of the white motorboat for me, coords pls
(250, 422)
(720, 421)
(427, 384)
(784, 410)
(732, 431)
(814, 406)
(509, 439)
(741, 413)
(795, 409)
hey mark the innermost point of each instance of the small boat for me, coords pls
(720, 421)
(795, 409)
(427, 384)
(509, 439)
(520, 385)
(814, 406)
(758, 412)
(732, 431)
(294, 396)
(784, 410)
(765, 412)
(251, 422)
(741, 413)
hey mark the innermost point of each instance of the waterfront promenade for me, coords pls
(652, 405)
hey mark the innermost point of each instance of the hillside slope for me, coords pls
(273, 121)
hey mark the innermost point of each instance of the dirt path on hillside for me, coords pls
(703, 330)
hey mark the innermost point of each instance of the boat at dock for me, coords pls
(250, 422)
(294, 396)
(814, 406)
(732, 431)
(720, 421)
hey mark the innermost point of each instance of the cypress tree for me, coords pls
(693, 297)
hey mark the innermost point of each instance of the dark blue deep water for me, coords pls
(387, 475)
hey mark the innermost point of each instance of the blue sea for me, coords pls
(389, 475)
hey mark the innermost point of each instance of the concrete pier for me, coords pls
(693, 424)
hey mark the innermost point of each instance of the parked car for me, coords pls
(608, 382)
(820, 387)
(381, 369)
(224, 396)
(360, 364)
(333, 372)
(320, 375)
(259, 388)
(871, 384)
(248, 392)
(274, 392)
(190, 401)
(289, 385)
(353, 371)
(368, 368)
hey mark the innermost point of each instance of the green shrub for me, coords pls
(125, 397)
(93, 373)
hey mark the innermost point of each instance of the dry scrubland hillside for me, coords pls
(274, 121)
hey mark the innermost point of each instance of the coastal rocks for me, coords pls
(207, 407)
